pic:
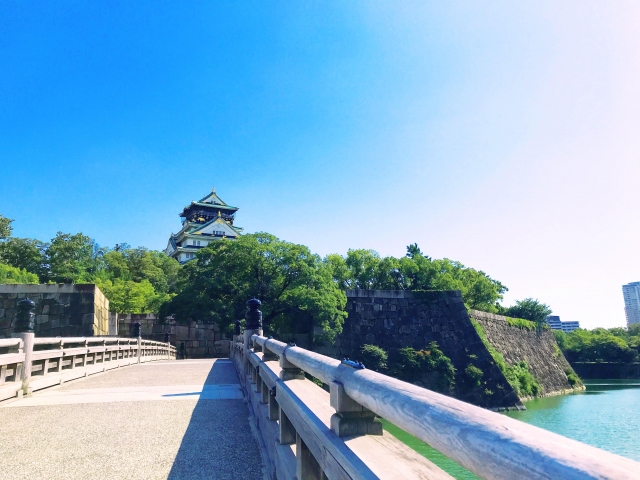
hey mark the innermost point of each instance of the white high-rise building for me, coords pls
(631, 294)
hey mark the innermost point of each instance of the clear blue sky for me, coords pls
(502, 135)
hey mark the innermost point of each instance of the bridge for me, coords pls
(108, 407)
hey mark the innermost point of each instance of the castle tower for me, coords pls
(207, 220)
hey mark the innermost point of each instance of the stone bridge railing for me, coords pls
(309, 433)
(28, 363)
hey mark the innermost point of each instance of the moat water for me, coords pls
(606, 415)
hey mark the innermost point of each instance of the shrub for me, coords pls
(522, 380)
(429, 366)
(572, 378)
(373, 357)
(14, 275)
(474, 374)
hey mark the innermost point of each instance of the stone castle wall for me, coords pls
(201, 340)
(61, 310)
(536, 347)
(397, 319)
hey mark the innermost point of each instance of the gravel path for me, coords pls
(180, 436)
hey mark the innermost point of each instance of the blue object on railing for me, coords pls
(353, 364)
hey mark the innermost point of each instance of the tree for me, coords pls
(529, 309)
(126, 296)
(365, 269)
(71, 258)
(24, 253)
(413, 250)
(295, 286)
(5, 227)
(9, 274)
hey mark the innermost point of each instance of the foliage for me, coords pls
(135, 280)
(429, 366)
(9, 274)
(474, 375)
(523, 381)
(26, 253)
(126, 296)
(572, 378)
(599, 345)
(529, 309)
(522, 323)
(5, 227)
(295, 286)
(373, 357)
(71, 258)
(365, 269)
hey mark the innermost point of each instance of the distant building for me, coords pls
(631, 294)
(555, 324)
(205, 221)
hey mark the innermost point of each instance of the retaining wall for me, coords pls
(61, 310)
(395, 319)
(536, 347)
(201, 340)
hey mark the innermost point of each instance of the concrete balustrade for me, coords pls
(30, 364)
(11, 361)
(310, 433)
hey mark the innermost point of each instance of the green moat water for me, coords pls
(606, 416)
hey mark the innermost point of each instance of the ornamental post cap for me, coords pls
(26, 304)
(254, 303)
(25, 318)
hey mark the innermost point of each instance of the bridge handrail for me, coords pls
(68, 358)
(10, 342)
(489, 444)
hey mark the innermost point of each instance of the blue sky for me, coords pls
(501, 135)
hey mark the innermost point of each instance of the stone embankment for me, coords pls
(397, 319)
(61, 310)
(538, 348)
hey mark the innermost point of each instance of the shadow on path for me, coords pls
(218, 443)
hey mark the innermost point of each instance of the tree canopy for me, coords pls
(9, 274)
(365, 269)
(5, 227)
(135, 280)
(601, 345)
(295, 286)
(528, 309)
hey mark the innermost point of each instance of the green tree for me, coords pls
(126, 296)
(5, 227)
(529, 309)
(365, 269)
(71, 258)
(9, 274)
(25, 253)
(295, 286)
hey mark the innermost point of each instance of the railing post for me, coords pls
(351, 418)
(274, 408)
(25, 322)
(307, 466)
(253, 325)
(287, 430)
(137, 327)
(289, 370)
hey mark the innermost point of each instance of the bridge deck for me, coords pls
(158, 420)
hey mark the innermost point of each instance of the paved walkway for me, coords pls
(159, 420)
